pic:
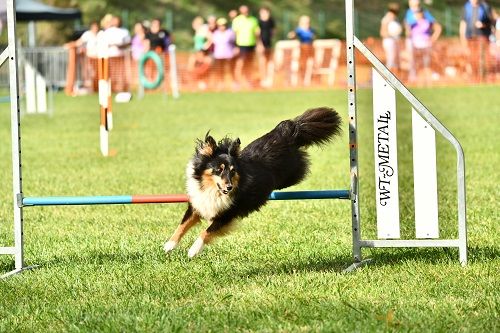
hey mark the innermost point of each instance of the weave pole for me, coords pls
(174, 82)
(106, 117)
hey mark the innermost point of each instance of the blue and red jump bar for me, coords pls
(169, 198)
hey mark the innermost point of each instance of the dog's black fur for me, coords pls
(240, 182)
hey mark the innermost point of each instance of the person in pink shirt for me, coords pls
(139, 44)
(223, 40)
(423, 33)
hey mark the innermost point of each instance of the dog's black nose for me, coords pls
(229, 187)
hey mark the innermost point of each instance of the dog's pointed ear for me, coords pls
(207, 147)
(234, 148)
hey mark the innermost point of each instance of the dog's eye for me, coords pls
(218, 170)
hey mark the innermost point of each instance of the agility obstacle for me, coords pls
(169, 198)
(104, 85)
(153, 56)
(385, 84)
(424, 127)
(104, 91)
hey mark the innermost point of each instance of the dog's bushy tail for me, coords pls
(316, 126)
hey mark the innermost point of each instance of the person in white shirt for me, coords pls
(390, 31)
(89, 44)
(118, 39)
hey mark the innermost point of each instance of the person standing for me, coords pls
(159, 38)
(246, 28)
(306, 35)
(267, 30)
(118, 39)
(232, 14)
(223, 42)
(199, 62)
(88, 40)
(138, 44)
(138, 47)
(423, 35)
(423, 30)
(212, 27)
(201, 35)
(390, 31)
(409, 19)
(475, 29)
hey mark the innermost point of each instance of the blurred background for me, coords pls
(52, 44)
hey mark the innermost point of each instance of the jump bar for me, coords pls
(169, 198)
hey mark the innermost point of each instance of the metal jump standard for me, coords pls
(424, 125)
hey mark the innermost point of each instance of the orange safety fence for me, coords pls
(285, 68)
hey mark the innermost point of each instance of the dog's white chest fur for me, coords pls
(207, 202)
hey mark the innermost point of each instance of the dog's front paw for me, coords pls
(169, 246)
(196, 248)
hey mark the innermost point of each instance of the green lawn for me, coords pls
(102, 268)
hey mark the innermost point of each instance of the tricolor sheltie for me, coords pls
(225, 183)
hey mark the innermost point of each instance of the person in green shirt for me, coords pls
(246, 28)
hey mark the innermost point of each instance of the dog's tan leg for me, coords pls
(217, 229)
(190, 219)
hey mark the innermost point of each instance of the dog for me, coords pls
(225, 183)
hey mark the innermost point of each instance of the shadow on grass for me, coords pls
(6, 266)
(99, 257)
(381, 257)
(475, 254)
(304, 265)
(93, 257)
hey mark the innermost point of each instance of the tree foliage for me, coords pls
(327, 15)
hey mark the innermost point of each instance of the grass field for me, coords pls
(102, 268)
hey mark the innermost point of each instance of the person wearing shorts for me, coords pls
(267, 29)
(305, 34)
(246, 28)
(223, 42)
(476, 26)
(422, 37)
(390, 31)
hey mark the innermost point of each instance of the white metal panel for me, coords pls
(386, 158)
(41, 94)
(30, 86)
(425, 178)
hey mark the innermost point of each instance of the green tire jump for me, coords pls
(159, 70)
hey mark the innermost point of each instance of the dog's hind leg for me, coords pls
(219, 227)
(190, 219)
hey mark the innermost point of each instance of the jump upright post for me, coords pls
(11, 53)
(424, 126)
